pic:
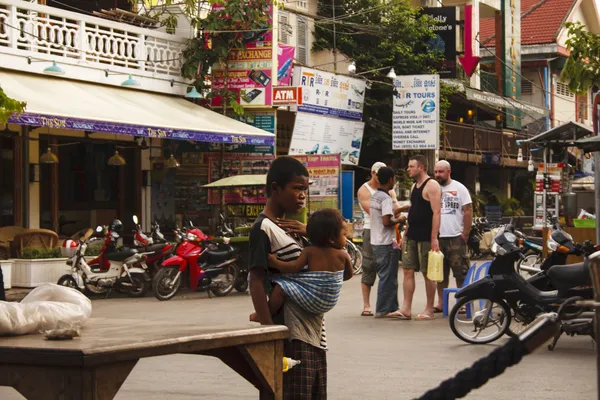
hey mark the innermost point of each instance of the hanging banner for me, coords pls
(285, 59)
(249, 70)
(416, 112)
(316, 134)
(444, 40)
(324, 171)
(329, 94)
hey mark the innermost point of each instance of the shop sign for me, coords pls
(285, 60)
(244, 210)
(444, 40)
(287, 96)
(416, 112)
(511, 58)
(317, 134)
(330, 94)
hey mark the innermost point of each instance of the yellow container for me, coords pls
(435, 266)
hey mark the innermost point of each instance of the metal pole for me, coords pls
(334, 38)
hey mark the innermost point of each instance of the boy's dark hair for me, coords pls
(324, 226)
(283, 170)
(420, 159)
(384, 175)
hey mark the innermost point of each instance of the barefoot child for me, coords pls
(318, 289)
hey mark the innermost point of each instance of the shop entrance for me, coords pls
(7, 181)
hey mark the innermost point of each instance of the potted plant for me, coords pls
(37, 266)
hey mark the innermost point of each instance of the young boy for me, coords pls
(287, 185)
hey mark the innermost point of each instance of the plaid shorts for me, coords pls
(307, 381)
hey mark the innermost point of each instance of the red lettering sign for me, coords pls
(287, 95)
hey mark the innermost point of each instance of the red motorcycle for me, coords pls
(201, 262)
(157, 246)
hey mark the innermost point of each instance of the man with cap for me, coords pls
(364, 200)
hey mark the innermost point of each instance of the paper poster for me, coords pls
(316, 134)
(324, 171)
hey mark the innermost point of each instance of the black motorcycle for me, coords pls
(486, 308)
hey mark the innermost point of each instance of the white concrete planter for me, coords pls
(6, 272)
(33, 273)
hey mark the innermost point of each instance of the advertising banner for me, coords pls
(329, 94)
(445, 38)
(285, 59)
(249, 70)
(416, 112)
(316, 134)
(324, 171)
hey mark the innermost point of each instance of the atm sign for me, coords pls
(287, 95)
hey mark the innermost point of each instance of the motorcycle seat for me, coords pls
(154, 248)
(534, 240)
(220, 255)
(564, 277)
(120, 255)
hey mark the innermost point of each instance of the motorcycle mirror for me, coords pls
(135, 219)
(99, 229)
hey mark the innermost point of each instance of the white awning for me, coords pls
(67, 104)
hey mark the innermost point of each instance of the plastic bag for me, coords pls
(46, 308)
(584, 215)
(435, 266)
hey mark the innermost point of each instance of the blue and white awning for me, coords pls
(66, 104)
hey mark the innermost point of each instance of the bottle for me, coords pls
(289, 363)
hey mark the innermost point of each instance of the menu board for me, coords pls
(315, 134)
(324, 171)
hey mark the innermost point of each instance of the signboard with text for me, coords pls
(511, 58)
(416, 112)
(445, 38)
(329, 94)
(324, 171)
(287, 96)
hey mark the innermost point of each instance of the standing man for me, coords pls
(368, 274)
(421, 235)
(383, 235)
(457, 216)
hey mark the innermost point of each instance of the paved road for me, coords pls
(368, 359)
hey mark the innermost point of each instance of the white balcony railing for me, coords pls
(38, 31)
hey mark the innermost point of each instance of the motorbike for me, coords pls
(157, 247)
(125, 270)
(203, 263)
(479, 237)
(485, 308)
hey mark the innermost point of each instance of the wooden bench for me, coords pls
(95, 365)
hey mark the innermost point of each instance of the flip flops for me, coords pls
(437, 310)
(366, 314)
(424, 317)
(396, 315)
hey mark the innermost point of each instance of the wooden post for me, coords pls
(54, 190)
(137, 156)
(18, 181)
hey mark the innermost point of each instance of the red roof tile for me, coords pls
(540, 22)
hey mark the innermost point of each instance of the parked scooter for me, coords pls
(203, 263)
(157, 247)
(126, 270)
(492, 302)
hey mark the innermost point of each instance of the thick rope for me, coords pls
(479, 373)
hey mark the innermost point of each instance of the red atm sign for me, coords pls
(287, 95)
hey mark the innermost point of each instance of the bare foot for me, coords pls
(254, 317)
(404, 312)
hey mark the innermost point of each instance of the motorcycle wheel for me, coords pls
(67, 281)
(93, 290)
(530, 261)
(355, 256)
(241, 286)
(140, 286)
(468, 326)
(224, 283)
(162, 282)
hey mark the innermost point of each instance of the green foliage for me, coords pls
(511, 207)
(381, 35)
(224, 29)
(479, 202)
(35, 253)
(582, 68)
(9, 106)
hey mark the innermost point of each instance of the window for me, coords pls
(563, 90)
(302, 41)
(582, 108)
(526, 87)
(284, 28)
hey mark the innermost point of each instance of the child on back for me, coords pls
(317, 290)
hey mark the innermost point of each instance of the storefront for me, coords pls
(63, 151)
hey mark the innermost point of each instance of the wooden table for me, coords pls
(95, 365)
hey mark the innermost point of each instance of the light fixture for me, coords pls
(48, 157)
(144, 145)
(391, 74)
(461, 120)
(352, 67)
(498, 117)
(520, 155)
(530, 166)
(470, 113)
(130, 82)
(172, 162)
(54, 69)
(193, 94)
(116, 160)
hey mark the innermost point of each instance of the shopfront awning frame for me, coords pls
(65, 104)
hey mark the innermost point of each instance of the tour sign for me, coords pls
(287, 95)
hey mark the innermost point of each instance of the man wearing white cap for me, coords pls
(369, 273)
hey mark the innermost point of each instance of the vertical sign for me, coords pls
(444, 40)
(416, 112)
(511, 58)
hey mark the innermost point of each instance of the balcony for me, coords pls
(86, 46)
(462, 142)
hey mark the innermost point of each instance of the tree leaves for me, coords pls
(582, 67)
(9, 106)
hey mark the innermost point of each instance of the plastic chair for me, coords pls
(447, 291)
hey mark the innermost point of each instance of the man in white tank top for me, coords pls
(369, 274)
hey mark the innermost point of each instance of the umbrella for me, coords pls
(239, 181)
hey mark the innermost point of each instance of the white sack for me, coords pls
(45, 308)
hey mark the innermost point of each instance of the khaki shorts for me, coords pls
(455, 257)
(415, 255)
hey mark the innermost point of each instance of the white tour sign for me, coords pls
(416, 112)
